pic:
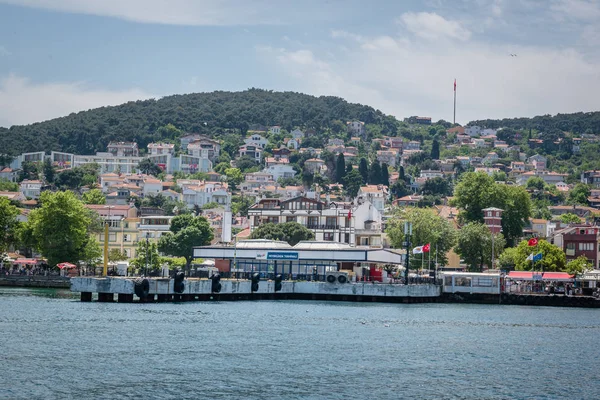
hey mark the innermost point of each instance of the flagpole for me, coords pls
(429, 260)
(436, 254)
(454, 118)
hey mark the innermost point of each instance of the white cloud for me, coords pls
(432, 26)
(576, 9)
(177, 12)
(4, 52)
(24, 102)
(497, 8)
(406, 77)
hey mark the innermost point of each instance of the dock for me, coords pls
(123, 289)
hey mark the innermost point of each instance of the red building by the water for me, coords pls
(578, 241)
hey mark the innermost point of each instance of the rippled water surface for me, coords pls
(55, 347)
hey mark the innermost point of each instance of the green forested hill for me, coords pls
(211, 113)
(577, 123)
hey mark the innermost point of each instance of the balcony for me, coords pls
(325, 227)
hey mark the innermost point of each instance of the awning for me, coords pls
(557, 276)
(66, 265)
(521, 275)
(26, 261)
(546, 276)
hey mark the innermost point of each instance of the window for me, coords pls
(586, 246)
(113, 223)
(112, 237)
(313, 222)
(330, 222)
(328, 236)
(290, 219)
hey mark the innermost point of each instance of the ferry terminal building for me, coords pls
(307, 258)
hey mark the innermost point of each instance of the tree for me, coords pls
(340, 168)
(579, 194)
(234, 177)
(148, 167)
(187, 231)
(363, 168)
(428, 227)
(437, 187)
(401, 175)
(291, 232)
(115, 255)
(353, 182)
(509, 258)
(245, 163)
(61, 228)
(221, 167)
(48, 169)
(375, 173)
(506, 134)
(579, 265)
(477, 190)
(94, 196)
(385, 174)
(212, 204)
(91, 253)
(399, 189)
(535, 183)
(475, 245)
(8, 186)
(29, 170)
(553, 257)
(435, 150)
(146, 254)
(241, 204)
(472, 194)
(8, 223)
(569, 218)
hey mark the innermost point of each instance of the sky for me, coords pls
(398, 56)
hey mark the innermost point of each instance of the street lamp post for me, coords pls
(106, 222)
(407, 234)
(147, 251)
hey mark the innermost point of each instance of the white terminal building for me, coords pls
(307, 258)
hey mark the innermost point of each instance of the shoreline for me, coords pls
(523, 299)
(35, 281)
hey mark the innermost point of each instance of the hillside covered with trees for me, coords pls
(576, 123)
(213, 114)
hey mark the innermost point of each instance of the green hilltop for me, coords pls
(219, 113)
(213, 114)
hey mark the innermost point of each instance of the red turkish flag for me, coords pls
(532, 242)
(349, 213)
(426, 248)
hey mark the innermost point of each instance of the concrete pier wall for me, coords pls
(102, 285)
(164, 286)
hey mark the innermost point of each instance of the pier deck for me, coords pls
(162, 289)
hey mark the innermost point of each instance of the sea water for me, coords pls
(55, 347)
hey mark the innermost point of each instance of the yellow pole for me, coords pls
(105, 269)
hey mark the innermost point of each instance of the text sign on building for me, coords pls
(279, 255)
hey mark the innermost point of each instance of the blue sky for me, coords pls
(63, 56)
